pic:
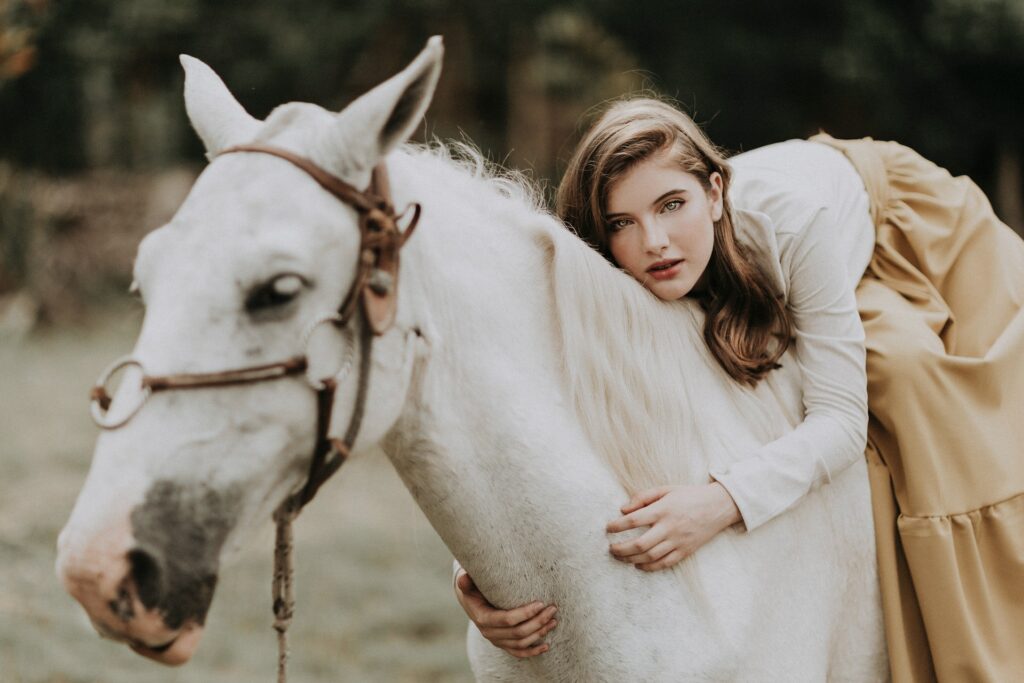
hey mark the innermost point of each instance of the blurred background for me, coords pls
(95, 151)
(95, 148)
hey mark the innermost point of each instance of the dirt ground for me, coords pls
(373, 579)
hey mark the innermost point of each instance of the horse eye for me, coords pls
(277, 292)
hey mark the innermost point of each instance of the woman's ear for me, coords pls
(716, 195)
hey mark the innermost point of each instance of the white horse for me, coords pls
(525, 387)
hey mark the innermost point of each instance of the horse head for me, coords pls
(255, 257)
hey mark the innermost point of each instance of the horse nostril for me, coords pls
(145, 572)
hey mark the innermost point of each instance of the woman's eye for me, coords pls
(619, 224)
(673, 205)
(277, 292)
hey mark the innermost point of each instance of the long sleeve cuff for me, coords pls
(750, 501)
(781, 473)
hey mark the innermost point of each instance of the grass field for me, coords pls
(373, 579)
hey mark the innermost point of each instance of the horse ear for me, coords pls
(386, 116)
(216, 115)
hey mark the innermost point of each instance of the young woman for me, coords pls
(794, 245)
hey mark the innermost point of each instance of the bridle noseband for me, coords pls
(375, 286)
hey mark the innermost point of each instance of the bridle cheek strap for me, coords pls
(331, 453)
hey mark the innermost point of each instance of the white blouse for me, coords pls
(803, 208)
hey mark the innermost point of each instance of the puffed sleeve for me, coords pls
(830, 350)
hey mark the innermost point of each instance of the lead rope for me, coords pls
(284, 597)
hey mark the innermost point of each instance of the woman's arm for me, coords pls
(829, 347)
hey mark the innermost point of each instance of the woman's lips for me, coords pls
(665, 270)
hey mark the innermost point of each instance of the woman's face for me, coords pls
(661, 225)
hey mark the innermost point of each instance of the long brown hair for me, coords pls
(747, 327)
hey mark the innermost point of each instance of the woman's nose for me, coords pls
(655, 239)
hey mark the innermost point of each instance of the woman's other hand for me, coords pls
(681, 520)
(517, 631)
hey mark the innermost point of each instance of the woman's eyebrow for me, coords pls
(668, 194)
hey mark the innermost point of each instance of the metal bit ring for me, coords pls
(307, 336)
(98, 411)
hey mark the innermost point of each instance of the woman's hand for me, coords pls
(681, 519)
(516, 631)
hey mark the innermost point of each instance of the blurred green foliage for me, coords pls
(946, 76)
(96, 84)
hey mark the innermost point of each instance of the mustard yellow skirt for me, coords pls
(943, 309)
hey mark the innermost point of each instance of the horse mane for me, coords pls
(461, 166)
(649, 396)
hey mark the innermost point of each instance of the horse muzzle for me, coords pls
(125, 594)
(150, 590)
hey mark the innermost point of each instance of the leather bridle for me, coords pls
(375, 286)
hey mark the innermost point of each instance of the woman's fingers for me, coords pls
(519, 630)
(464, 582)
(641, 544)
(644, 498)
(528, 652)
(670, 560)
(472, 599)
(528, 642)
(642, 517)
(659, 551)
(486, 615)
(531, 639)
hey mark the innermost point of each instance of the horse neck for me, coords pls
(488, 440)
(476, 274)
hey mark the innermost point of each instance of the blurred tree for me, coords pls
(39, 108)
(562, 66)
(87, 84)
(96, 82)
(982, 41)
(19, 26)
(108, 80)
(944, 76)
(750, 71)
